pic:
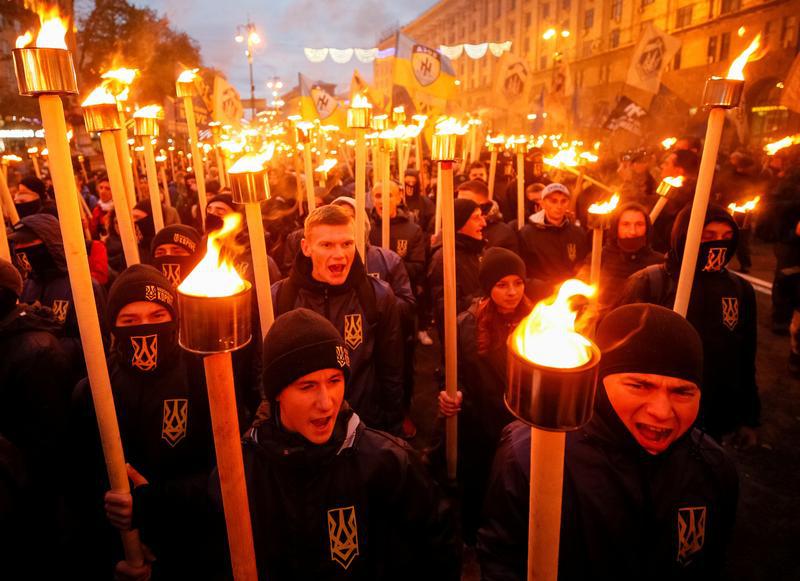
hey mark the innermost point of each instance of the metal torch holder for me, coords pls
(443, 147)
(599, 221)
(249, 187)
(211, 325)
(742, 219)
(145, 127)
(43, 71)
(549, 398)
(101, 117)
(722, 93)
(185, 89)
(358, 117)
(666, 190)
(398, 117)
(380, 123)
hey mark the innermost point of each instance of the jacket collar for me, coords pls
(539, 221)
(301, 275)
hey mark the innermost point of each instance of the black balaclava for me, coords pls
(176, 268)
(145, 228)
(409, 191)
(37, 186)
(143, 348)
(712, 256)
(214, 222)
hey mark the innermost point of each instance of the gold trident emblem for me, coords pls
(172, 272)
(730, 312)
(176, 416)
(60, 309)
(572, 252)
(691, 532)
(145, 352)
(716, 259)
(353, 331)
(402, 248)
(23, 264)
(343, 535)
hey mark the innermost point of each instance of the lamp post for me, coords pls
(247, 33)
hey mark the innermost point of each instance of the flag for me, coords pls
(513, 82)
(317, 103)
(227, 108)
(423, 79)
(359, 86)
(654, 51)
(790, 96)
(626, 115)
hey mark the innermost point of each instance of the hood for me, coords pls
(26, 318)
(494, 215)
(537, 220)
(612, 231)
(301, 275)
(681, 226)
(46, 227)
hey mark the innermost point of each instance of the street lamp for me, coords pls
(247, 33)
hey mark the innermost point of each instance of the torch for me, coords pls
(162, 174)
(220, 159)
(214, 303)
(33, 153)
(668, 143)
(443, 150)
(566, 160)
(772, 148)
(303, 136)
(120, 80)
(742, 213)
(666, 190)
(7, 200)
(599, 220)
(720, 95)
(493, 144)
(379, 123)
(520, 147)
(100, 115)
(388, 139)
(45, 70)
(552, 377)
(474, 144)
(186, 88)
(358, 118)
(420, 120)
(145, 127)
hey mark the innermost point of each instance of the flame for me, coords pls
(420, 119)
(24, 40)
(149, 112)
(669, 142)
(547, 336)
(326, 166)
(9, 158)
(736, 72)
(360, 102)
(748, 206)
(45, 152)
(215, 275)
(776, 146)
(121, 75)
(675, 182)
(399, 109)
(450, 126)
(253, 162)
(497, 140)
(33, 150)
(563, 157)
(589, 157)
(605, 207)
(188, 76)
(100, 96)
(411, 131)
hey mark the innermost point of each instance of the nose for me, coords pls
(659, 406)
(324, 400)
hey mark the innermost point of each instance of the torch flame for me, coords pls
(399, 109)
(419, 119)
(360, 102)
(24, 40)
(748, 206)
(563, 157)
(188, 76)
(589, 157)
(149, 112)
(33, 150)
(547, 336)
(776, 146)
(675, 182)
(121, 75)
(11, 157)
(450, 126)
(253, 162)
(669, 142)
(215, 275)
(326, 166)
(736, 72)
(100, 96)
(605, 207)
(497, 140)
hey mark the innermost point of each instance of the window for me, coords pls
(676, 61)
(565, 5)
(616, 10)
(684, 17)
(730, 6)
(588, 19)
(543, 62)
(724, 45)
(711, 53)
(586, 50)
(766, 36)
(545, 10)
(613, 41)
(512, 4)
(527, 20)
(789, 31)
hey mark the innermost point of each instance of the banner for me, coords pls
(513, 82)
(317, 103)
(654, 51)
(625, 115)
(790, 96)
(359, 86)
(227, 108)
(423, 79)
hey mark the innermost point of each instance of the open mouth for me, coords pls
(337, 269)
(322, 424)
(653, 434)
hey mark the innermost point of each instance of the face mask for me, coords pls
(146, 348)
(213, 222)
(714, 255)
(175, 268)
(28, 208)
(36, 260)
(632, 244)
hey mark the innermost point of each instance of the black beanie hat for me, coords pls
(140, 282)
(645, 338)
(35, 185)
(298, 343)
(9, 276)
(226, 199)
(498, 263)
(463, 209)
(179, 234)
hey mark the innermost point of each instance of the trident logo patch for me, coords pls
(353, 331)
(176, 417)
(145, 352)
(691, 532)
(716, 259)
(402, 248)
(730, 312)
(342, 356)
(150, 292)
(343, 535)
(23, 264)
(60, 309)
(172, 272)
(572, 252)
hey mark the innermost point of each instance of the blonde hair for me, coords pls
(330, 215)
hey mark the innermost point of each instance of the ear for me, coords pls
(305, 247)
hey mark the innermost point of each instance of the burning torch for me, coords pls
(120, 81)
(552, 377)
(145, 127)
(214, 303)
(185, 87)
(33, 153)
(45, 70)
(742, 213)
(443, 150)
(303, 130)
(358, 118)
(388, 140)
(7, 200)
(520, 147)
(493, 144)
(720, 95)
(100, 115)
(666, 191)
(599, 220)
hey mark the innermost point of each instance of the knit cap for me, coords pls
(35, 185)
(140, 282)
(179, 234)
(463, 209)
(496, 264)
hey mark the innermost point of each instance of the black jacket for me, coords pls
(626, 514)
(387, 266)
(359, 507)
(366, 313)
(423, 209)
(499, 233)
(552, 254)
(723, 310)
(468, 284)
(406, 239)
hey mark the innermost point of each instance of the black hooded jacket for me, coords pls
(422, 208)
(359, 507)
(364, 310)
(468, 285)
(723, 310)
(552, 254)
(406, 239)
(626, 514)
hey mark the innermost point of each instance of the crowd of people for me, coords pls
(339, 487)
